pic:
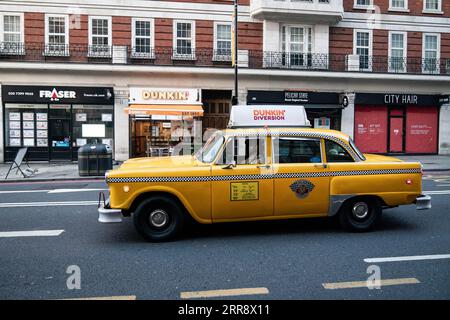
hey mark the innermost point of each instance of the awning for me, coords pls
(165, 110)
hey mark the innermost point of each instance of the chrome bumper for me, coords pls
(423, 202)
(108, 215)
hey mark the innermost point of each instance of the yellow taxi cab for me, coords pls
(268, 165)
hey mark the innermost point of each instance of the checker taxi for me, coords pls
(268, 165)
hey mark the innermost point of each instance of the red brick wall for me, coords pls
(204, 35)
(121, 31)
(163, 33)
(341, 40)
(250, 36)
(415, 8)
(414, 45)
(34, 27)
(445, 45)
(79, 36)
(380, 42)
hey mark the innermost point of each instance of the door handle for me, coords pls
(322, 165)
(265, 166)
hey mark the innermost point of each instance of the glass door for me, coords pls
(60, 132)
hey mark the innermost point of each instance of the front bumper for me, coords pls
(108, 215)
(423, 202)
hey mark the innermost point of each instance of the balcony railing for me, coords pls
(253, 59)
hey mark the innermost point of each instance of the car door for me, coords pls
(242, 185)
(301, 183)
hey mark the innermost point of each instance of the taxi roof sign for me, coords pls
(268, 116)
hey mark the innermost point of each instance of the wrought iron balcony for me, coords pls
(167, 56)
(310, 11)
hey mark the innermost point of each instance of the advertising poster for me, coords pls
(41, 116)
(27, 116)
(28, 142)
(81, 117)
(42, 133)
(14, 133)
(14, 142)
(14, 125)
(106, 117)
(28, 124)
(41, 125)
(14, 116)
(28, 133)
(42, 143)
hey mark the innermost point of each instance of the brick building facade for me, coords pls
(389, 59)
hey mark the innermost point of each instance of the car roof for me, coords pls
(289, 131)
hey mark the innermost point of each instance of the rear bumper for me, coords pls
(108, 215)
(423, 202)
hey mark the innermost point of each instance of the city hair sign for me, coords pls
(396, 99)
(164, 96)
(57, 94)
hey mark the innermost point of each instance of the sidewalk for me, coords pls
(69, 171)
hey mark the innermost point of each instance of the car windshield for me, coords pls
(209, 150)
(355, 148)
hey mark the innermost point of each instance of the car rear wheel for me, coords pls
(360, 214)
(158, 218)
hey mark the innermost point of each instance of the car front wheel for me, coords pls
(360, 214)
(158, 218)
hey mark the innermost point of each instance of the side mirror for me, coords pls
(231, 165)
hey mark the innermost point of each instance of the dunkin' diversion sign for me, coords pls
(266, 115)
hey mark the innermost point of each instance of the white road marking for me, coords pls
(106, 298)
(34, 233)
(48, 204)
(436, 192)
(408, 258)
(223, 293)
(363, 284)
(50, 191)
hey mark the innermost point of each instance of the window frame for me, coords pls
(437, 11)
(57, 53)
(95, 54)
(308, 43)
(405, 52)
(21, 44)
(229, 139)
(216, 56)
(438, 52)
(404, 9)
(181, 56)
(139, 55)
(277, 163)
(355, 38)
(362, 6)
(326, 153)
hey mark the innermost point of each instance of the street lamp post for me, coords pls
(235, 53)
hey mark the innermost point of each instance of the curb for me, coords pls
(93, 178)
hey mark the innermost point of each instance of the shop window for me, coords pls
(100, 37)
(244, 151)
(92, 124)
(26, 125)
(336, 153)
(296, 150)
(143, 38)
(56, 35)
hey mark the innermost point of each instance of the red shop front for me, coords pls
(397, 123)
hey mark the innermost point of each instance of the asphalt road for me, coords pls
(285, 259)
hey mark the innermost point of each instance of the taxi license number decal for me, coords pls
(244, 191)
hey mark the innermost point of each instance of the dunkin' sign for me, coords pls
(275, 114)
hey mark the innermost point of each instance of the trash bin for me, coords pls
(94, 159)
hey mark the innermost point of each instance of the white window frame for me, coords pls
(139, 55)
(405, 51)
(370, 32)
(93, 53)
(58, 53)
(438, 11)
(221, 57)
(438, 53)
(404, 9)
(306, 44)
(12, 51)
(175, 55)
(360, 6)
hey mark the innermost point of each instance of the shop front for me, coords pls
(324, 109)
(162, 118)
(397, 123)
(53, 121)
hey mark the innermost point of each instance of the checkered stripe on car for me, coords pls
(263, 176)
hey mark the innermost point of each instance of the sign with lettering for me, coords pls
(244, 191)
(292, 97)
(164, 96)
(396, 99)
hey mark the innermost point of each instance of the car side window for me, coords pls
(336, 153)
(296, 150)
(244, 150)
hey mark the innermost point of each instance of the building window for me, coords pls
(100, 39)
(401, 5)
(363, 48)
(397, 52)
(11, 34)
(296, 46)
(56, 35)
(143, 38)
(184, 40)
(363, 3)
(431, 53)
(432, 6)
(222, 41)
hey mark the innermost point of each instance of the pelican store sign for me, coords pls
(56, 94)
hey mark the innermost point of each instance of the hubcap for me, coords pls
(158, 218)
(360, 210)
